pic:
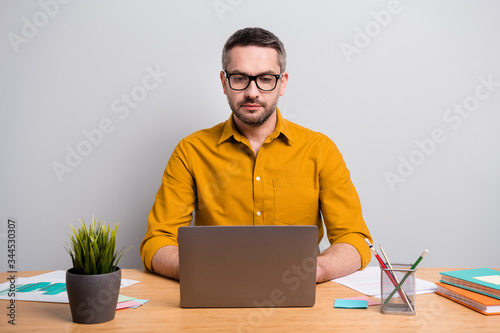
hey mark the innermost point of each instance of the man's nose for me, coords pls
(252, 91)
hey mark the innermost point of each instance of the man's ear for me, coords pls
(223, 80)
(284, 80)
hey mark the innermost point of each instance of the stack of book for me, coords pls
(478, 289)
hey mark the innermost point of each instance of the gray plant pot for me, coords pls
(93, 298)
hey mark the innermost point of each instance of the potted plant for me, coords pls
(93, 284)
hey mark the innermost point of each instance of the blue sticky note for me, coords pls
(142, 301)
(350, 304)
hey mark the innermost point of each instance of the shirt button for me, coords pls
(258, 178)
(259, 213)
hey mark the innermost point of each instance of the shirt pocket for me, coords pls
(295, 200)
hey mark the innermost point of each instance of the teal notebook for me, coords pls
(481, 280)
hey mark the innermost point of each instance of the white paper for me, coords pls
(367, 282)
(41, 296)
(493, 279)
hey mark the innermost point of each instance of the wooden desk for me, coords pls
(163, 313)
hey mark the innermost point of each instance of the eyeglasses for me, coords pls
(265, 82)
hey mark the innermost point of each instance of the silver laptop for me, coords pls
(247, 266)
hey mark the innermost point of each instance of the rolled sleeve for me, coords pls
(173, 206)
(340, 205)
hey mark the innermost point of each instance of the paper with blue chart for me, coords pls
(48, 287)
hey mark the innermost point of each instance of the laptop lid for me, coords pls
(247, 266)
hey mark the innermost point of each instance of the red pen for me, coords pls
(383, 265)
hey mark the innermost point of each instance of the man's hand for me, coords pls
(338, 260)
(166, 262)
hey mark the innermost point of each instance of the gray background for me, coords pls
(378, 85)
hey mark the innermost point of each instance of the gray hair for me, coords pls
(254, 37)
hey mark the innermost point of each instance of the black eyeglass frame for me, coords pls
(254, 78)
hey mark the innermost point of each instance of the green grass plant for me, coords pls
(92, 248)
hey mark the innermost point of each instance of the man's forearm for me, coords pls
(166, 262)
(338, 260)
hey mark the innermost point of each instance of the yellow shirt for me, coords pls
(297, 176)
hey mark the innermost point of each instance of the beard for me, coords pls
(256, 118)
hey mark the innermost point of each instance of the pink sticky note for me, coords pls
(363, 298)
(127, 304)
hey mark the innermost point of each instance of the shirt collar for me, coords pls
(282, 127)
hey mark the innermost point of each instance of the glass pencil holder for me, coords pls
(398, 290)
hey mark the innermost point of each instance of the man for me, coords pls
(257, 169)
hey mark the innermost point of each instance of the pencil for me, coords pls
(382, 264)
(406, 299)
(398, 287)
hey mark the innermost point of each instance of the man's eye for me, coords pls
(239, 78)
